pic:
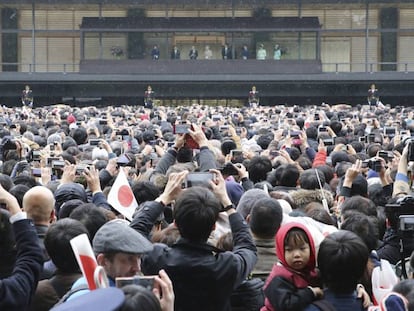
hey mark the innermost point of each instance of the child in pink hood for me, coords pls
(294, 282)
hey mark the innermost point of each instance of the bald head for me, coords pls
(39, 204)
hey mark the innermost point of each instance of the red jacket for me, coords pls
(291, 292)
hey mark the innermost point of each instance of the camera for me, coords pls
(7, 143)
(362, 139)
(34, 155)
(410, 155)
(374, 164)
(406, 223)
(401, 214)
(387, 156)
(198, 179)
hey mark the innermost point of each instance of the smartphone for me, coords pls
(371, 138)
(181, 128)
(145, 281)
(58, 164)
(36, 155)
(235, 153)
(94, 142)
(50, 160)
(36, 172)
(103, 122)
(123, 160)
(52, 147)
(216, 117)
(198, 179)
(274, 153)
(80, 168)
(328, 142)
(389, 131)
(229, 169)
(322, 129)
(223, 127)
(295, 135)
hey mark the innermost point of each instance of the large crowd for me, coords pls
(222, 208)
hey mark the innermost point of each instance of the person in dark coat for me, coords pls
(203, 276)
(16, 291)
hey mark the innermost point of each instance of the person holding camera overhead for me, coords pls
(391, 248)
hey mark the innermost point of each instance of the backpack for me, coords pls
(248, 296)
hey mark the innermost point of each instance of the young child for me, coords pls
(294, 282)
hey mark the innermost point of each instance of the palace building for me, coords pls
(100, 50)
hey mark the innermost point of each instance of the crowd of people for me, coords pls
(253, 208)
(227, 52)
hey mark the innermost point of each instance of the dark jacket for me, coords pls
(46, 295)
(390, 249)
(203, 277)
(341, 302)
(17, 290)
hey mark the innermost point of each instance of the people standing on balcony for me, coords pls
(226, 52)
(175, 53)
(155, 53)
(149, 98)
(261, 53)
(208, 54)
(27, 97)
(245, 52)
(193, 54)
(277, 52)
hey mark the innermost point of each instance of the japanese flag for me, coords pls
(121, 197)
(86, 259)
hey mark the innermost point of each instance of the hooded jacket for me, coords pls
(287, 289)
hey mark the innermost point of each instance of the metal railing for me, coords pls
(328, 67)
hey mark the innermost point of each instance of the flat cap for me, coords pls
(117, 236)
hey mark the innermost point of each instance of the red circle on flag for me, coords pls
(125, 196)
